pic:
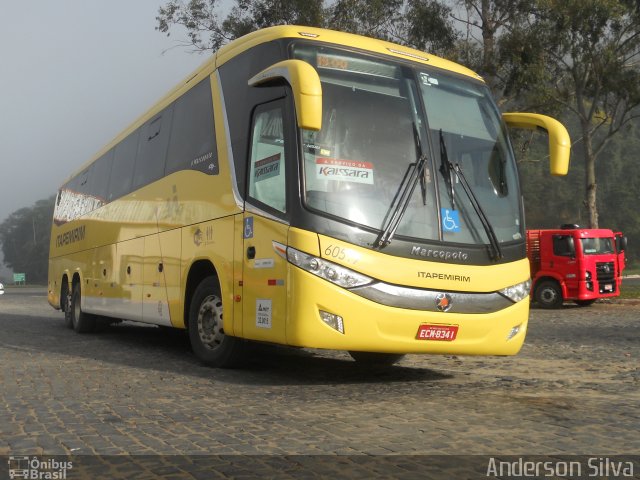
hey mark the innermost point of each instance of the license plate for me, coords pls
(608, 287)
(443, 333)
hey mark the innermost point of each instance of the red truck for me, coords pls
(574, 263)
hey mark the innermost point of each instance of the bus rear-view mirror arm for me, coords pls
(305, 84)
(559, 140)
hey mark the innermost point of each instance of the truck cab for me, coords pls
(575, 264)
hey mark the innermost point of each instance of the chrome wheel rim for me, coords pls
(548, 295)
(210, 322)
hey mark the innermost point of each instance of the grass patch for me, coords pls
(629, 291)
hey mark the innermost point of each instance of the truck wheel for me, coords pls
(206, 332)
(585, 303)
(376, 359)
(548, 294)
(82, 322)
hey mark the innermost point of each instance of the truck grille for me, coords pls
(606, 274)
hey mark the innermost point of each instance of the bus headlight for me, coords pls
(337, 274)
(517, 292)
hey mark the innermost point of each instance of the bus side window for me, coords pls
(267, 170)
(122, 170)
(99, 181)
(193, 137)
(152, 148)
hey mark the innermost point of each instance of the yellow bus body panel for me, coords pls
(422, 273)
(377, 328)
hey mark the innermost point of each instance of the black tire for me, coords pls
(376, 359)
(548, 294)
(585, 303)
(206, 332)
(66, 302)
(82, 322)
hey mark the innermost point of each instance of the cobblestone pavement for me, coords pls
(132, 389)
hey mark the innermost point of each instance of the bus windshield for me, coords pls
(379, 118)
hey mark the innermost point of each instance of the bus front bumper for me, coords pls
(370, 326)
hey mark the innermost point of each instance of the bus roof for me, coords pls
(240, 45)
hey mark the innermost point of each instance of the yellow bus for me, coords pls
(310, 188)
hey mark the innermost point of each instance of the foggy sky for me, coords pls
(73, 74)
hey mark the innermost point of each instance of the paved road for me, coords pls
(133, 389)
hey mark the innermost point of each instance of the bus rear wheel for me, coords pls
(376, 359)
(548, 294)
(80, 321)
(66, 303)
(206, 329)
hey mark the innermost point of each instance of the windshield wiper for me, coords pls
(446, 169)
(415, 172)
(488, 228)
(423, 179)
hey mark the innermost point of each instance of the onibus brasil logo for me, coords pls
(38, 469)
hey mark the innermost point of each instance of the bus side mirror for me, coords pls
(559, 140)
(305, 83)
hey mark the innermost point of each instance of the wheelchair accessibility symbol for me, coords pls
(450, 220)
(248, 227)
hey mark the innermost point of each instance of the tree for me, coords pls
(207, 31)
(591, 50)
(423, 24)
(24, 236)
(486, 23)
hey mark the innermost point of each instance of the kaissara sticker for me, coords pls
(267, 167)
(263, 313)
(344, 170)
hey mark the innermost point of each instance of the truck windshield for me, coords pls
(379, 119)
(597, 246)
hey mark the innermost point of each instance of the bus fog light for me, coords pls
(334, 321)
(513, 332)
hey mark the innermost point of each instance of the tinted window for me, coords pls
(152, 149)
(563, 246)
(193, 142)
(123, 163)
(240, 98)
(597, 246)
(99, 179)
(82, 185)
(267, 182)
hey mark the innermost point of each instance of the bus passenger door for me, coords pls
(265, 228)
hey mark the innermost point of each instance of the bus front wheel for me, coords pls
(206, 332)
(376, 359)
